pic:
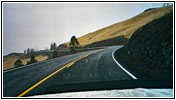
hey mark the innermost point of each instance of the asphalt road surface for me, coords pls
(89, 66)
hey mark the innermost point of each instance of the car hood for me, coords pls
(137, 92)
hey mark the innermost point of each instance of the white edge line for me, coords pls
(121, 66)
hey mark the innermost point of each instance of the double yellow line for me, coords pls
(41, 81)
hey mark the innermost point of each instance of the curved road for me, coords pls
(89, 66)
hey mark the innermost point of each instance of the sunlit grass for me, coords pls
(126, 28)
(9, 62)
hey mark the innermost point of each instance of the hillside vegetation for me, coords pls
(8, 61)
(150, 49)
(126, 28)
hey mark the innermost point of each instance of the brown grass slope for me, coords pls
(126, 28)
(8, 61)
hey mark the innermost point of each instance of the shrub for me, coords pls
(18, 63)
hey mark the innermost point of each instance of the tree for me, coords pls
(53, 46)
(32, 60)
(28, 50)
(25, 52)
(73, 43)
(18, 63)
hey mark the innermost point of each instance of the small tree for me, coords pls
(32, 60)
(73, 43)
(53, 46)
(18, 63)
(28, 50)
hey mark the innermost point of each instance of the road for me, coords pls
(89, 66)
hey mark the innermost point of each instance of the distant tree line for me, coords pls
(73, 44)
(166, 4)
(30, 50)
(19, 63)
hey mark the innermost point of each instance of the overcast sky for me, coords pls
(36, 25)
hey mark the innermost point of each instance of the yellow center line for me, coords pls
(22, 94)
(68, 65)
(41, 81)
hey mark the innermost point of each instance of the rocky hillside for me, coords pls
(125, 28)
(150, 49)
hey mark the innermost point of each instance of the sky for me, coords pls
(37, 25)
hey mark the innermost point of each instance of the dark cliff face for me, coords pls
(152, 45)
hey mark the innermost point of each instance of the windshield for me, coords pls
(104, 49)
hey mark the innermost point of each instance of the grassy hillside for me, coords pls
(150, 49)
(126, 28)
(8, 61)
